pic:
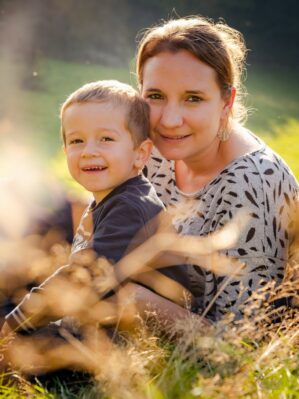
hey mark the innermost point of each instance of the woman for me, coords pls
(190, 70)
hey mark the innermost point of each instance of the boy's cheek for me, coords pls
(70, 163)
(71, 157)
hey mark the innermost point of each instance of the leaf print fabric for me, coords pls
(260, 184)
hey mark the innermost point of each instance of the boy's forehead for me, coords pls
(114, 104)
(104, 115)
(97, 107)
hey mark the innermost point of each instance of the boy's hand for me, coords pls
(5, 330)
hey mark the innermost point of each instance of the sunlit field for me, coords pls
(32, 97)
(257, 357)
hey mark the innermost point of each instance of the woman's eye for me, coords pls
(154, 96)
(193, 99)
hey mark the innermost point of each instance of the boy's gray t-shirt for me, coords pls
(125, 219)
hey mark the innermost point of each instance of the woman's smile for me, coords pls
(174, 138)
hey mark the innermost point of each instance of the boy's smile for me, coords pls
(99, 149)
(93, 168)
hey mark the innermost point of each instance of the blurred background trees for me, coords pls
(104, 31)
(48, 48)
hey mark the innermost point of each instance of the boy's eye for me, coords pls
(75, 141)
(193, 99)
(106, 138)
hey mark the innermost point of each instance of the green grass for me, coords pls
(35, 111)
(233, 362)
(284, 140)
(237, 362)
(273, 100)
(273, 97)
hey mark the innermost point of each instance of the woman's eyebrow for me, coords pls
(186, 91)
(152, 89)
(194, 92)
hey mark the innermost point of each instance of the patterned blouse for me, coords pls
(260, 184)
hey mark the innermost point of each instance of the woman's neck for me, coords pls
(193, 174)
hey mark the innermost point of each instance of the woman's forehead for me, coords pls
(180, 68)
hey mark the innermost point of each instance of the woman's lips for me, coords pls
(177, 138)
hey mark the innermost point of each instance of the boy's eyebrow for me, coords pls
(104, 129)
(71, 133)
(100, 129)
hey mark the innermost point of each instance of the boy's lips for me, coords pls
(93, 168)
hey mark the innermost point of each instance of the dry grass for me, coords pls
(252, 358)
(256, 357)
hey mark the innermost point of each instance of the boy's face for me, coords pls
(99, 149)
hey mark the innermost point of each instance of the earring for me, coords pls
(224, 130)
(223, 133)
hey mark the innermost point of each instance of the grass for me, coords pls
(229, 362)
(245, 360)
(273, 96)
(32, 97)
(254, 358)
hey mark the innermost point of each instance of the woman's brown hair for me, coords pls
(216, 44)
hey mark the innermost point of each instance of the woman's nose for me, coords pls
(171, 116)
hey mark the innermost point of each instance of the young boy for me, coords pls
(105, 128)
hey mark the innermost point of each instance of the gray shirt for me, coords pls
(260, 184)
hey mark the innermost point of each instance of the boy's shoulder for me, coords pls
(136, 195)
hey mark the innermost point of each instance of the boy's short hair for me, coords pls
(119, 94)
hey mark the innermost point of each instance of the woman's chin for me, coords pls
(170, 153)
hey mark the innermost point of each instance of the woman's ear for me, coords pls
(143, 153)
(229, 101)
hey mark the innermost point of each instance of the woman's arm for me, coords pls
(150, 305)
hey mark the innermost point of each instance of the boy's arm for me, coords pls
(122, 229)
(117, 229)
(111, 239)
(21, 319)
(6, 329)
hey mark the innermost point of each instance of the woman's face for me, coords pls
(185, 103)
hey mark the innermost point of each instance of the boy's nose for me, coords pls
(90, 150)
(171, 116)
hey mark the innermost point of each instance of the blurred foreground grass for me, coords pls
(248, 360)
